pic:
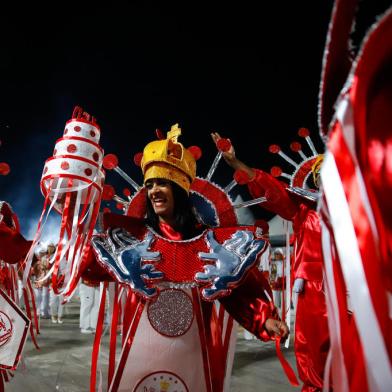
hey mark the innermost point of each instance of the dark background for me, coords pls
(250, 73)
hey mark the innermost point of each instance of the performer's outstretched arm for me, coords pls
(262, 184)
(249, 305)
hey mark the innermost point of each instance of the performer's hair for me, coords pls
(185, 220)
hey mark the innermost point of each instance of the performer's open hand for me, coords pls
(229, 156)
(277, 327)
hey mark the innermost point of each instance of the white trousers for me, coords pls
(42, 301)
(89, 306)
(56, 306)
(20, 295)
(277, 297)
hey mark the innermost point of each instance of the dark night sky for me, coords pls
(252, 75)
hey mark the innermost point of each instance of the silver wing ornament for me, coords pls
(125, 256)
(230, 262)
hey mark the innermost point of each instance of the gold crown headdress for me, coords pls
(170, 160)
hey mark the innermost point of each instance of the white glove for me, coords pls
(298, 286)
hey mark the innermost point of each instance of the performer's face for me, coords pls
(160, 193)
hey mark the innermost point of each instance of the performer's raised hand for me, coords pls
(229, 155)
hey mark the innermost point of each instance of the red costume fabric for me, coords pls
(311, 327)
(13, 246)
(247, 303)
(357, 239)
(13, 249)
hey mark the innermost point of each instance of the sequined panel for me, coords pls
(172, 313)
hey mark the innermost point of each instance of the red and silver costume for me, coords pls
(311, 327)
(356, 210)
(14, 325)
(174, 336)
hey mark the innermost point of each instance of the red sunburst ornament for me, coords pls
(4, 168)
(223, 145)
(274, 148)
(196, 152)
(110, 162)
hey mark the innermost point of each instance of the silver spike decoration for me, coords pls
(287, 158)
(302, 155)
(250, 202)
(127, 178)
(214, 165)
(230, 186)
(119, 199)
(311, 145)
(285, 175)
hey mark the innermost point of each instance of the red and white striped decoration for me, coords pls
(353, 232)
(72, 184)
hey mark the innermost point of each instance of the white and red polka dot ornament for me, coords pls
(72, 183)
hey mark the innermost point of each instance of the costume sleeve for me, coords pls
(278, 200)
(308, 261)
(13, 246)
(249, 305)
(92, 270)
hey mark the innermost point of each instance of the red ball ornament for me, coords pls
(159, 134)
(276, 171)
(108, 192)
(241, 177)
(263, 224)
(119, 206)
(295, 146)
(110, 161)
(107, 210)
(4, 168)
(137, 159)
(274, 148)
(126, 192)
(196, 152)
(303, 132)
(223, 145)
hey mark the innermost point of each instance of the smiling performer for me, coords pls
(173, 268)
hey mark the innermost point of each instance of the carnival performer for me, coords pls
(311, 328)
(355, 106)
(174, 268)
(41, 283)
